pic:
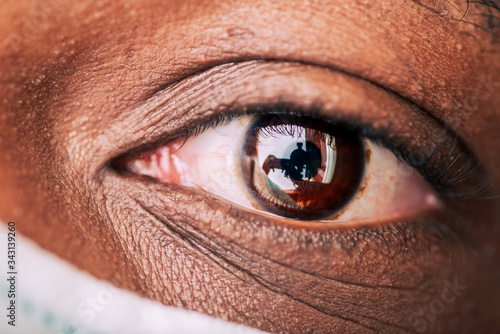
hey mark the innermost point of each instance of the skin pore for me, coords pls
(83, 84)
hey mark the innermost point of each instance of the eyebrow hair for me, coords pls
(489, 3)
(488, 10)
(482, 8)
(491, 6)
(481, 14)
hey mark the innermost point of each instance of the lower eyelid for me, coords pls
(339, 245)
(354, 265)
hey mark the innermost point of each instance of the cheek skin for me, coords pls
(265, 275)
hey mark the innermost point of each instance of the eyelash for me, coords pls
(438, 173)
(291, 130)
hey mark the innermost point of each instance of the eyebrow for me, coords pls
(491, 6)
(488, 9)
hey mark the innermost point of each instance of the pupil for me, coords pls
(300, 168)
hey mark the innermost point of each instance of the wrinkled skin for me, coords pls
(77, 82)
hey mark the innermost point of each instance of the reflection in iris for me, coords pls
(294, 170)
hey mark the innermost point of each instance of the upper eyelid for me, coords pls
(189, 119)
(160, 110)
(158, 104)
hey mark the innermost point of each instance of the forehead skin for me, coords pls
(71, 74)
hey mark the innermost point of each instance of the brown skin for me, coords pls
(77, 81)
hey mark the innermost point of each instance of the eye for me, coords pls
(289, 166)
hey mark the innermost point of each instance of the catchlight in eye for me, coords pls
(300, 167)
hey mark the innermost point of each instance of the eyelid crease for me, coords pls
(156, 98)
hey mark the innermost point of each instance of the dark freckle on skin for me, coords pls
(241, 33)
(368, 155)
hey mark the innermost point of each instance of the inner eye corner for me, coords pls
(121, 163)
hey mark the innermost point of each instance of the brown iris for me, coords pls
(302, 168)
